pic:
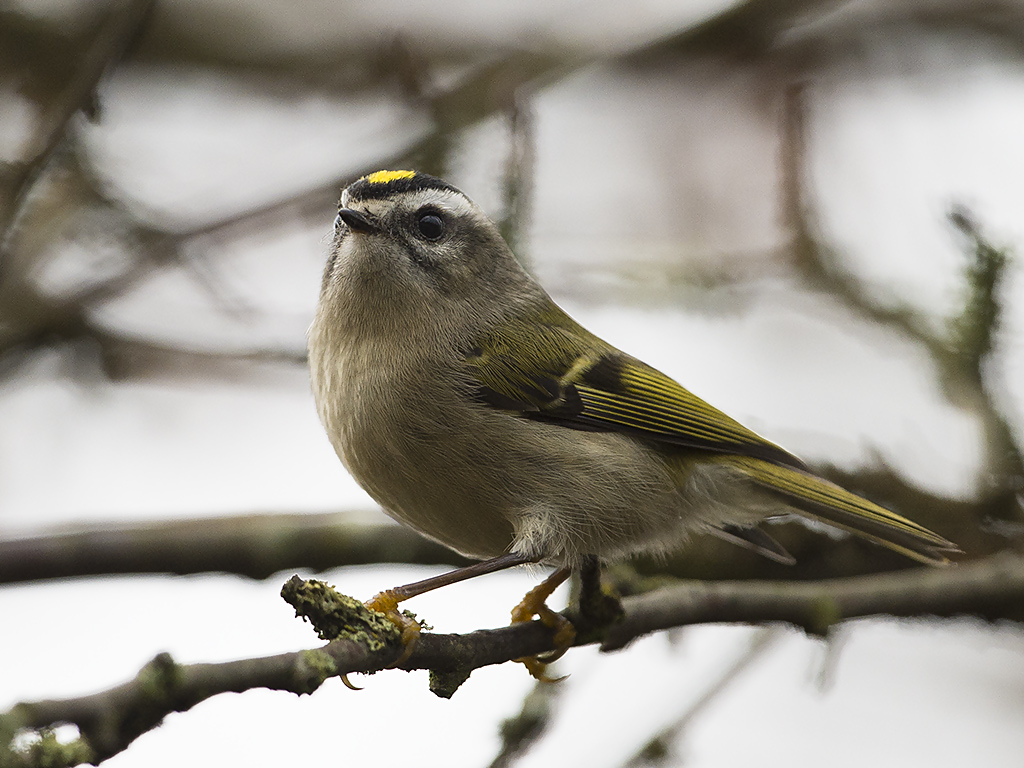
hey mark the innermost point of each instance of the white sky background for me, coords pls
(889, 154)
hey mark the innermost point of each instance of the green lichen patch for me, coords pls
(824, 614)
(314, 667)
(42, 749)
(335, 615)
(445, 684)
(972, 333)
(159, 679)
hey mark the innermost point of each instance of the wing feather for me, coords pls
(556, 371)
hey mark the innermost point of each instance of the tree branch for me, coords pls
(109, 721)
(991, 589)
(256, 546)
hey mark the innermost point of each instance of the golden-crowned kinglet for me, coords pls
(475, 410)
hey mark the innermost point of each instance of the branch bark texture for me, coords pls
(110, 720)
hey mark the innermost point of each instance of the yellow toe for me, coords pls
(386, 602)
(535, 604)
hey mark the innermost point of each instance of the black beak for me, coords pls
(357, 222)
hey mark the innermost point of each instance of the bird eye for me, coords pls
(431, 225)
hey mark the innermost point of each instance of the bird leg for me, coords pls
(599, 605)
(386, 602)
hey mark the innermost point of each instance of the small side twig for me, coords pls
(525, 728)
(517, 184)
(659, 748)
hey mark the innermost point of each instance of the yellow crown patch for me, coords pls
(383, 177)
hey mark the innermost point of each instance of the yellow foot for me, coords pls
(386, 602)
(535, 604)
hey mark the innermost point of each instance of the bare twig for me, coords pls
(819, 264)
(44, 321)
(520, 732)
(959, 352)
(748, 29)
(519, 170)
(119, 30)
(659, 748)
(466, 103)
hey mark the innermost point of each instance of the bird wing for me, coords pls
(548, 367)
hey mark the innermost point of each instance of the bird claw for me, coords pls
(537, 669)
(349, 684)
(386, 602)
(534, 604)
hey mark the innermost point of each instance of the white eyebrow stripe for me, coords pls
(443, 198)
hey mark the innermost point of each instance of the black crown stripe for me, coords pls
(371, 188)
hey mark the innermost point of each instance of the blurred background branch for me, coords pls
(675, 167)
(257, 546)
(74, 205)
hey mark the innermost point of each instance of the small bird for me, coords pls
(476, 411)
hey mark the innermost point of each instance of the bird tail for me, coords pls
(821, 500)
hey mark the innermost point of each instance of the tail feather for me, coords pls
(821, 500)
